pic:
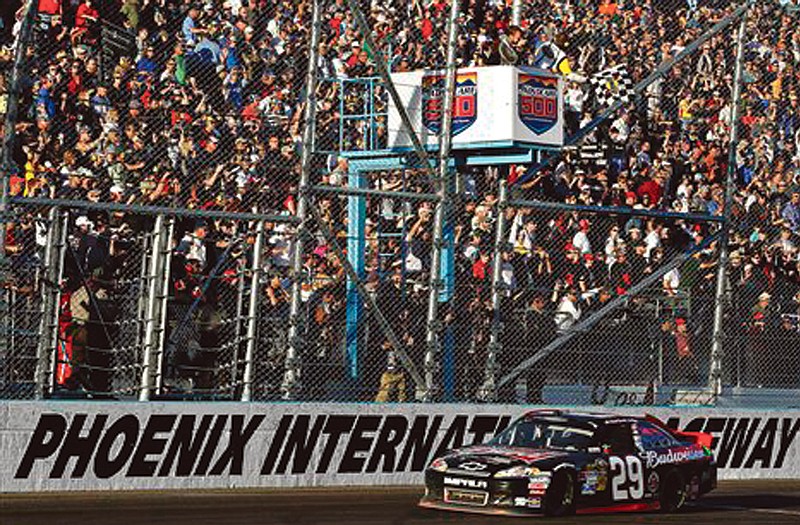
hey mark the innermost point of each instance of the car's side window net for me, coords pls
(617, 439)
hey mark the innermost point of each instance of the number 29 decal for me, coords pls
(627, 481)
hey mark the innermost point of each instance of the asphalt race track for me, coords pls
(733, 502)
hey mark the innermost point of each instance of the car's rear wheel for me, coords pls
(673, 492)
(559, 500)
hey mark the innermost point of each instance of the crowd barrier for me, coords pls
(74, 446)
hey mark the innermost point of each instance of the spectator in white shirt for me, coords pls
(569, 310)
(581, 239)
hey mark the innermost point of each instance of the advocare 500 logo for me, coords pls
(537, 102)
(465, 105)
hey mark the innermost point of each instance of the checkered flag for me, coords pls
(612, 84)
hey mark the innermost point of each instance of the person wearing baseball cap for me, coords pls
(680, 361)
(757, 356)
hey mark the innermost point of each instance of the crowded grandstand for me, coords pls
(201, 106)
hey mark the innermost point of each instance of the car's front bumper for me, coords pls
(432, 503)
(484, 495)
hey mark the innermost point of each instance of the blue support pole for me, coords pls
(356, 244)
(341, 115)
(449, 366)
(447, 268)
(447, 273)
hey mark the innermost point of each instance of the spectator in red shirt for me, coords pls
(75, 82)
(49, 7)
(652, 188)
(481, 267)
(426, 28)
(336, 24)
(86, 19)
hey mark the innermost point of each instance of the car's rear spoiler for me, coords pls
(700, 438)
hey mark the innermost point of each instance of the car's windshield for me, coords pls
(544, 433)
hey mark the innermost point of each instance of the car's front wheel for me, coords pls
(559, 500)
(673, 491)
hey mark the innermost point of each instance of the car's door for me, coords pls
(656, 444)
(626, 471)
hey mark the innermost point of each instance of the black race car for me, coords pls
(559, 463)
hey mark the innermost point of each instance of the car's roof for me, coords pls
(591, 420)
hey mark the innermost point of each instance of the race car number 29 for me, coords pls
(627, 477)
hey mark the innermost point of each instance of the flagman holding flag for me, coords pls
(549, 56)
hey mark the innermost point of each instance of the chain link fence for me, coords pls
(560, 273)
(23, 325)
(175, 231)
(126, 114)
(761, 321)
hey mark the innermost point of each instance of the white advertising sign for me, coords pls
(104, 446)
(496, 104)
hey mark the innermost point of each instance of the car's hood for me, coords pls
(487, 460)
